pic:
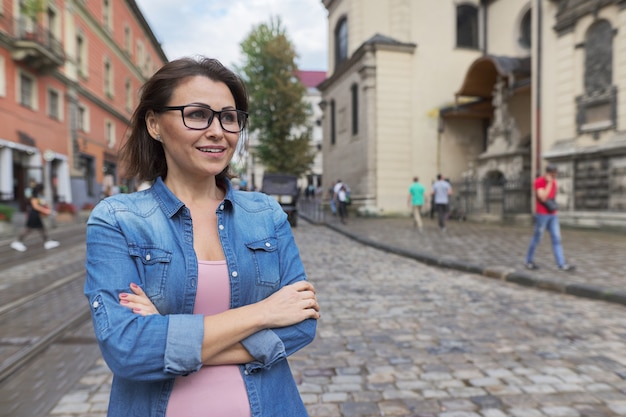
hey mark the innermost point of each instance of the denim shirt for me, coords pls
(147, 238)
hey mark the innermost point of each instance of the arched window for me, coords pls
(525, 33)
(341, 41)
(599, 57)
(466, 26)
(597, 106)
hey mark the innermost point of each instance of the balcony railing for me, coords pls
(34, 45)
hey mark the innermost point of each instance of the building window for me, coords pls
(597, 107)
(81, 55)
(525, 37)
(54, 105)
(333, 124)
(27, 91)
(148, 65)
(108, 78)
(3, 78)
(140, 56)
(127, 39)
(341, 41)
(109, 133)
(355, 108)
(467, 26)
(599, 57)
(54, 23)
(107, 15)
(129, 95)
(82, 119)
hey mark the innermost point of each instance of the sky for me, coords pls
(216, 28)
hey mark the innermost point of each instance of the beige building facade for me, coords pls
(485, 92)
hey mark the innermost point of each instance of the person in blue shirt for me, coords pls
(197, 291)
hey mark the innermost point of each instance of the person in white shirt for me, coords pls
(442, 190)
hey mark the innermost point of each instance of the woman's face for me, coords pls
(195, 153)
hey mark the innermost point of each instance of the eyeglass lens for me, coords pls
(201, 117)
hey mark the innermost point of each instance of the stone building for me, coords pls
(70, 71)
(486, 92)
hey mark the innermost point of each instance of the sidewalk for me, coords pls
(498, 251)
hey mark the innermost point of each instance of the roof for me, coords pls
(311, 79)
(483, 73)
(382, 39)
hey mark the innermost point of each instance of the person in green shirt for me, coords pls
(416, 201)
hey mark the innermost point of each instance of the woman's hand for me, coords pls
(36, 205)
(290, 305)
(138, 301)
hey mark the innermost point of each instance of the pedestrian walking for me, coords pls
(416, 201)
(546, 217)
(332, 202)
(197, 291)
(37, 207)
(342, 195)
(442, 190)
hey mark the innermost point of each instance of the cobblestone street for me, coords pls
(401, 338)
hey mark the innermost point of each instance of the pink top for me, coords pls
(213, 390)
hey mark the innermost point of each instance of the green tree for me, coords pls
(278, 112)
(32, 8)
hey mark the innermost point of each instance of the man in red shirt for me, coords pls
(546, 218)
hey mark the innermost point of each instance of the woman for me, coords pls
(218, 294)
(36, 209)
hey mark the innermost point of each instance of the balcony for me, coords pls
(35, 46)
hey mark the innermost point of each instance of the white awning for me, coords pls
(18, 146)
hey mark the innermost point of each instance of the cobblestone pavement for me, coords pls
(499, 252)
(402, 338)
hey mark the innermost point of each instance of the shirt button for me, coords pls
(148, 257)
(268, 244)
(234, 274)
(221, 227)
(95, 304)
(221, 207)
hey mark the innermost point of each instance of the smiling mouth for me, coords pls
(210, 150)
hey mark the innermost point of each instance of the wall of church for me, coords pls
(393, 131)
(592, 173)
(503, 27)
(460, 145)
(347, 158)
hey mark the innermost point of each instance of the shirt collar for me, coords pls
(171, 204)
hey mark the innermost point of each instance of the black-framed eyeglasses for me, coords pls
(200, 116)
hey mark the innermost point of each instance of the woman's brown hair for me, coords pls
(142, 156)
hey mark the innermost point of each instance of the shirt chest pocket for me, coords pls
(152, 264)
(264, 255)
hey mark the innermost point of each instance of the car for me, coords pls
(284, 188)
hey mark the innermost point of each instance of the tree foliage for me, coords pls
(278, 112)
(32, 8)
